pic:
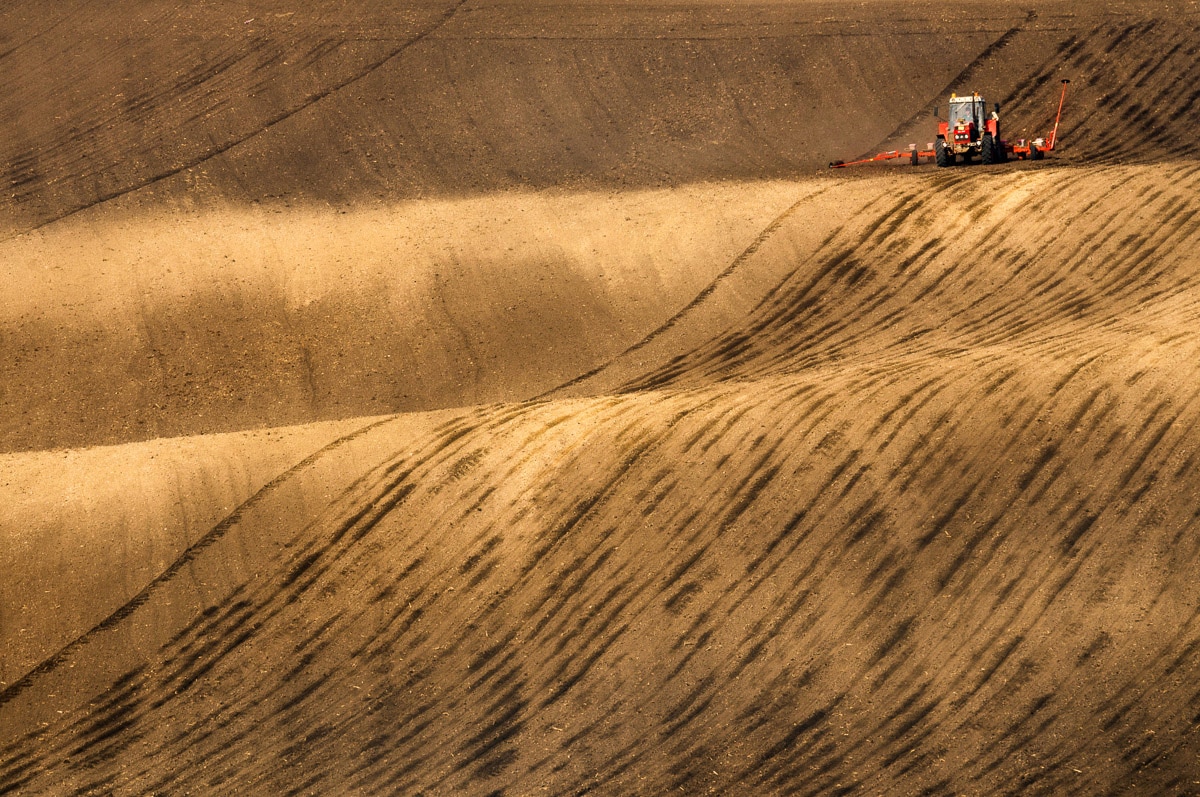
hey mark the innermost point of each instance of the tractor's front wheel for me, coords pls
(942, 153)
(987, 150)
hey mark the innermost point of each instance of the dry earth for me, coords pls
(497, 398)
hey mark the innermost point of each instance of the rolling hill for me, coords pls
(497, 398)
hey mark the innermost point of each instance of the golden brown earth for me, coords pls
(500, 398)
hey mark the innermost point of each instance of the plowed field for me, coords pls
(501, 398)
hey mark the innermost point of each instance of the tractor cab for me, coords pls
(966, 119)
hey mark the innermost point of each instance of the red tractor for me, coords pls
(969, 131)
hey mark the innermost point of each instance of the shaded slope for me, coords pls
(104, 103)
(361, 102)
(943, 549)
(1136, 89)
(1133, 95)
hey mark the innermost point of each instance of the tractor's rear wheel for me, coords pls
(942, 154)
(987, 150)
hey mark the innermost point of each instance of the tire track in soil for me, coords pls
(176, 567)
(271, 122)
(696, 301)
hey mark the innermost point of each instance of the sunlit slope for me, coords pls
(83, 531)
(924, 519)
(139, 325)
(939, 263)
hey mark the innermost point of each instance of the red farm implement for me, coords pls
(971, 131)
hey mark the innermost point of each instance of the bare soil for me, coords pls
(501, 398)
